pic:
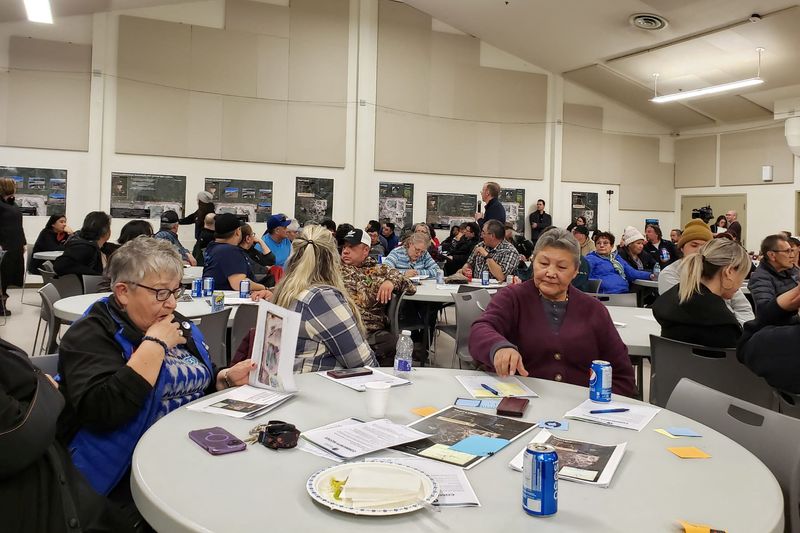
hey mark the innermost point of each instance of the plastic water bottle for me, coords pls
(403, 355)
(439, 276)
(656, 270)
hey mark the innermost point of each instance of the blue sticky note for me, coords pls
(558, 425)
(683, 432)
(479, 445)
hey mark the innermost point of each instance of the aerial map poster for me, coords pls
(513, 201)
(445, 210)
(585, 204)
(146, 195)
(242, 197)
(396, 204)
(313, 199)
(40, 191)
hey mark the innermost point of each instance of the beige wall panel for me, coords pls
(254, 130)
(257, 17)
(3, 105)
(41, 54)
(273, 68)
(154, 51)
(151, 120)
(582, 144)
(316, 134)
(402, 141)
(205, 126)
(452, 147)
(489, 94)
(452, 49)
(645, 183)
(696, 162)
(224, 62)
(318, 46)
(521, 151)
(404, 58)
(743, 154)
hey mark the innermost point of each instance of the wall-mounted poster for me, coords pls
(40, 191)
(445, 210)
(513, 201)
(396, 204)
(313, 200)
(146, 195)
(585, 204)
(250, 198)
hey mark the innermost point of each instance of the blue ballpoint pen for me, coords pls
(603, 411)
(487, 387)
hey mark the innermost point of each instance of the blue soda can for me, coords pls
(540, 480)
(208, 286)
(197, 288)
(600, 381)
(244, 288)
(485, 277)
(217, 301)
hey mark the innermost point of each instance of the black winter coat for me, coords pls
(81, 256)
(12, 240)
(769, 345)
(703, 319)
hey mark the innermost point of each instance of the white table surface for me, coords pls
(48, 256)
(427, 291)
(179, 487)
(190, 274)
(646, 283)
(72, 308)
(639, 325)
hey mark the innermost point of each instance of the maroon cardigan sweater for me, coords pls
(515, 318)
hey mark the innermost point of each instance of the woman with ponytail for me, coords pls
(331, 332)
(694, 311)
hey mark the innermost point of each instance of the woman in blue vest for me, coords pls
(129, 361)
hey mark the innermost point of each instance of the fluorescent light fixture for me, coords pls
(39, 11)
(683, 95)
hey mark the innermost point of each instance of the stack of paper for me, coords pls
(242, 402)
(359, 382)
(349, 441)
(505, 387)
(636, 416)
(367, 488)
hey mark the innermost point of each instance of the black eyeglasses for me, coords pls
(790, 251)
(162, 295)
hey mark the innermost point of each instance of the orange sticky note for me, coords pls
(689, 452)
(424, 411)
(698, 528)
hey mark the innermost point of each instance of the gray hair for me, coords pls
(168, 226)
(142, 256)
(418, 238)
(561, 239)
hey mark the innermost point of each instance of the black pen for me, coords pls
(603, 411)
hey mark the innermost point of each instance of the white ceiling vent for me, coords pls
(648, 21)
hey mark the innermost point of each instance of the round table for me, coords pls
(48, 256)
(639, 324)
(179, 487)
(646, 283)
(72, 308)
(429, 291)
(191, 273)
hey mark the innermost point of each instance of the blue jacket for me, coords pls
(103, 457)
(611, 281)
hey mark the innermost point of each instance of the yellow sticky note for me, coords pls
(665, 433)
(444, 453)
(689, 452)
(424, 411)
(698, 528)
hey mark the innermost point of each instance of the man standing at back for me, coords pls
(734, 227)
(493, 210)
(539, 220)
(169, 232)
(776, 272)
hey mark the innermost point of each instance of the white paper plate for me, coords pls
(318, 487)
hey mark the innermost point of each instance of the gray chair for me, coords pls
(770, 436)
(214, 328)
(469, 306)
(788, 404)
(49, 295)
(717, 368)
(626, 299)
(91, 284)
(68, 285)
(593, 285)
(28, 258)
(244, 319)
(46, 363)
(397, 324)
(47, 275)
(3, 303)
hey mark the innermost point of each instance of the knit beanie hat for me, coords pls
(631, 235)
(695, 230)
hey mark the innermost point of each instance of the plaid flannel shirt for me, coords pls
(362, 282)
(504, 255)
(329, 337)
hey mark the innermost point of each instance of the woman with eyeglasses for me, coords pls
(130, 360)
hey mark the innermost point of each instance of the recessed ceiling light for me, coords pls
(648, 21)
(39, 11)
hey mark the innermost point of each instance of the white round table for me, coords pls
(48, 256)
(646, 283)
(72, 308)
(179, 487)
(429, 291)
(191, 273)
(639, 324)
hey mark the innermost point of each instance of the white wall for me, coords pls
(356, 185)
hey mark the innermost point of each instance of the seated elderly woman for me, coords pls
(130, 360)
(331, 332)
(694, 310)
(547, 328)
(605, 265)
(412, 258)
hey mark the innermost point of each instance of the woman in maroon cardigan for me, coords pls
(548, 329)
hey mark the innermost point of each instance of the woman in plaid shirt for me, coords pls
(331, 332)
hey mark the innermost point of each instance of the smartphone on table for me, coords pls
(349, 372)
(217, 441)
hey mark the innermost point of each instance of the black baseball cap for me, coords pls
(169, 217)
(581, 229)
(226, 223)
(357, 236)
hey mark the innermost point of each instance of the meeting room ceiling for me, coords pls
(13, 10)
(592, 43)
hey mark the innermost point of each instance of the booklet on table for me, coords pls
(359, 382)
(272, 381)
(636, 416)
(353, 440)
(505, 387)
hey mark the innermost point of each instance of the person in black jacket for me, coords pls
(12, 241)
(769, 343)
(776, 273)
(493, 210)
(663, 252)
(694, 310)
(205, 205)
(52, 238)
(462, 248)
(82, 253)
(631, 249)
(525, 249)
(259, 261)
(539, 220)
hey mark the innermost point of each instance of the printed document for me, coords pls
(242, 402)
(636, 417)
(505, 387)
(359, 382)
(354, 440)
